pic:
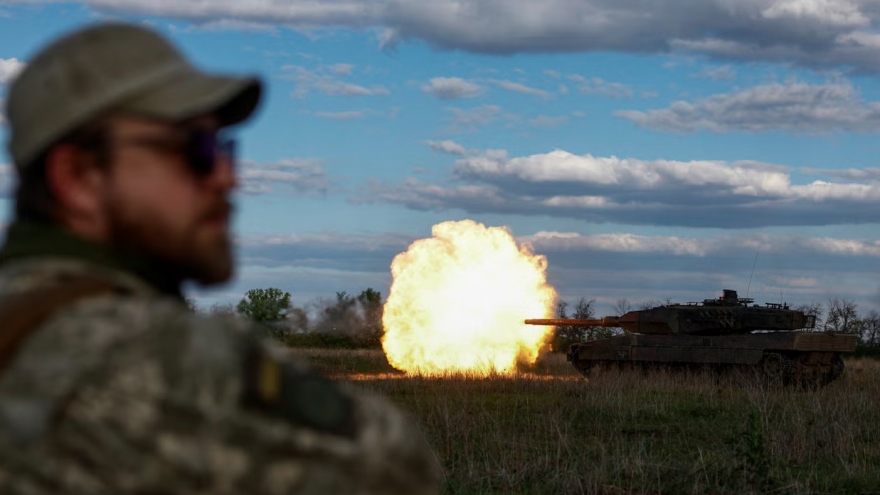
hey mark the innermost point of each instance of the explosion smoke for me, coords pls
(458, 301)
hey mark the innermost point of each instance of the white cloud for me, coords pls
(448, 147)
(791, 106)
(324, 79)
(349, 115)
(561, 166)
(700, 193)
(700, 246)
(812, 33)
(9, 68)
(452, 88)
(303, 175)
(598, 86)
(521, 88)
(840, 13)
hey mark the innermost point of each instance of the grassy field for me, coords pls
(550, 431)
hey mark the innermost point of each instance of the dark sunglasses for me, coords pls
(203, 148)
(200, 148)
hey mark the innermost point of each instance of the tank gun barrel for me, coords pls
(608, 322)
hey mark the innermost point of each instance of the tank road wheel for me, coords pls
(835, 370)
(773, 368)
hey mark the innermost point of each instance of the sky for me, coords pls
(660, 150)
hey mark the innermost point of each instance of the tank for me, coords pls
(730, 332)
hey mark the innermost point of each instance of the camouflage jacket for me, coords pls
(133, 393)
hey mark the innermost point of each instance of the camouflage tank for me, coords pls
(724, 333)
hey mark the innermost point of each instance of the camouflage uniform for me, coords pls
(131, 392)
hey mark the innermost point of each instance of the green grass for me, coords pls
(547, 430)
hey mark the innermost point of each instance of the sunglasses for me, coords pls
(200, 148)
(203, 148)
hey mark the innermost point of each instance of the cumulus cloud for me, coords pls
(791, 106)
(9, 68)
(700, 193)
(325, 80)
(452, 88)
(522, 88)
(601, 87)
(303, 175)
(811, 33)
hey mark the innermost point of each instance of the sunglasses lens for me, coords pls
(203, 148)
(201, 152)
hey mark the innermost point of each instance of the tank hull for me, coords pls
(801, 358)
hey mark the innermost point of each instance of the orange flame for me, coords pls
(458, 301)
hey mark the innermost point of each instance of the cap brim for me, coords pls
(191, 93)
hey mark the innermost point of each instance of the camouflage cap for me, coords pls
(114, 67)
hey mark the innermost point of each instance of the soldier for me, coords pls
(108, 383)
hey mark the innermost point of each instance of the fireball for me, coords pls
(458, 301)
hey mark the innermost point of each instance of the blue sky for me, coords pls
(649, 149)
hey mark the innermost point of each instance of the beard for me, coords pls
(197, 251)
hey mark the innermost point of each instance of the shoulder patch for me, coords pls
(277, 387)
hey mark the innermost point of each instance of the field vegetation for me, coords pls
(547, 430)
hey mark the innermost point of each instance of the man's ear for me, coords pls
(75, 180)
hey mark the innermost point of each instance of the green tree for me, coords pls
(264, 305)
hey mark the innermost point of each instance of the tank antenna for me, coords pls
(752, 274)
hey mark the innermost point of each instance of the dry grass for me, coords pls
(549, 431)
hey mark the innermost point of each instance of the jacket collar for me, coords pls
(28, 239)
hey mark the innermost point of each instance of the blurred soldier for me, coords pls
(108, 383)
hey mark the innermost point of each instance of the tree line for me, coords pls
(346, 321)
(356, 321)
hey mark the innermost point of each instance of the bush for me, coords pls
(868, 350)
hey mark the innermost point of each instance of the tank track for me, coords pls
(806, 370)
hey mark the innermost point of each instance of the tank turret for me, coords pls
(726, 315)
